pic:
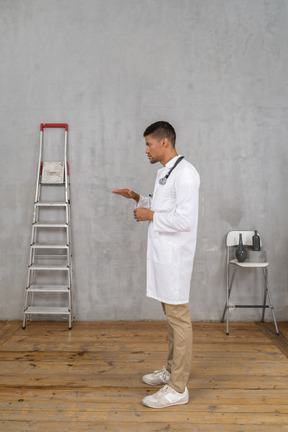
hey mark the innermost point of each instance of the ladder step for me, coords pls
(50, 257)
(50, 225)
(49, 246)
(48, 267)
(50, 204)
(49, 288)
(38, 310)
(52, 184)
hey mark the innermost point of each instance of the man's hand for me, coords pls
(143, 214)
(127, 193)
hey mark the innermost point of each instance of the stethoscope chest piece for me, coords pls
(163, 180)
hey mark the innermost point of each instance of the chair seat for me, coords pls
(248, 264)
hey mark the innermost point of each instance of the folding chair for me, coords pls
(232, 242)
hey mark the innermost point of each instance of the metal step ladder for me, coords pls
(49, 281)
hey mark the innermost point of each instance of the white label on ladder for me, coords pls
(53, 172)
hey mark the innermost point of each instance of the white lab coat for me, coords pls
(172, 233)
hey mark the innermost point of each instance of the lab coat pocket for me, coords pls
(162, 203)
(162, 248)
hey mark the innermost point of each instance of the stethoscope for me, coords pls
(163, 180)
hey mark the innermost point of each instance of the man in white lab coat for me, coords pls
(172, 212)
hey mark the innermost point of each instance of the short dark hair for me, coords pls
(160, 130)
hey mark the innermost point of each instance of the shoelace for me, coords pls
(163, 371)
(166, 389)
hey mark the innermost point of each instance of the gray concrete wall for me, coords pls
(216, 69)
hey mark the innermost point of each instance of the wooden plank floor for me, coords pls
(89, 378)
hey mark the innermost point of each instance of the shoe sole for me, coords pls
(184, 402)
(152, 384)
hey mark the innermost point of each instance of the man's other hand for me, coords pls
(143, 214)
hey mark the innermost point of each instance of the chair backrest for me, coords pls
(233, 238)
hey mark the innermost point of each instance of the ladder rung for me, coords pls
(48, 288)
(50, 204)
(249, 306)
(52, 183)
(47, 310)
(49, 257)
(49, 246)
(48, 267)
(50, 225)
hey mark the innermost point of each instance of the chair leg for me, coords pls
(226, 308)
(270, 301)
(265, 274)
(273, 313)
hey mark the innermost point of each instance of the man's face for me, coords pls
(154, 149)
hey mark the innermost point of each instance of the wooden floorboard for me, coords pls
(89, 378)
(279, 340)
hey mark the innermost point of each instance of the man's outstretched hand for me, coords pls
(127, 193)
(140, 214)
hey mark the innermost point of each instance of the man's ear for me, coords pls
(165, 142)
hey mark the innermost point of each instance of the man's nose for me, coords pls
(147, 150)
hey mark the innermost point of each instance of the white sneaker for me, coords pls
(166, 397)
(157, 378)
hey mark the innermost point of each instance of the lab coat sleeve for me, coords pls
(184, 217)
(144, 202)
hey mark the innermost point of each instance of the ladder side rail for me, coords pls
(68, 220)
(39, 167)
(67, 234)
(28, 277)
(35, 212)
(71, 292)
(71, 296)
(66, 168)
(31, 257)
(66, 179)
(68, 256)
(70, 243)
(33, 241)
(70, 273)
(33, 234)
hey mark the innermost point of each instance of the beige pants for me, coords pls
(179, 344)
